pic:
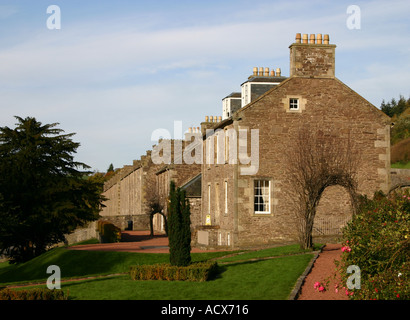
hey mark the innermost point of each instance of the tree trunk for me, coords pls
(306, 226)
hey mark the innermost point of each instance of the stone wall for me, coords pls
(82, 234)
(399, 178)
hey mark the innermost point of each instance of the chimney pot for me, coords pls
(278, 72)
(326, 39)
(272, 73)
(255, 71)
(206, 118)
(305, 38)
(298, 37)
(219, 118)
(312, 39)
(190, 129)
(260, 71)
(266, 72)
(319, 38)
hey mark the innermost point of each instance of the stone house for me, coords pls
(241, 209)
(239, 190)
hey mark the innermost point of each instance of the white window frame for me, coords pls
(265, 195)
(293, 104)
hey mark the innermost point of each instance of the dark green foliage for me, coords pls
(32, 294)
(377, 240)
(110, 168)
(401, 129)
(395, 108)
(200, 271)
(179, 227)
(43, 195)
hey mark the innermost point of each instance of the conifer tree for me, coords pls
(179, 232)
(43, 195)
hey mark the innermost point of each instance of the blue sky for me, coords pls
(118, 70)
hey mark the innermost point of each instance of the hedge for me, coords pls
(200, 271)
(109, 232)
(32, 294)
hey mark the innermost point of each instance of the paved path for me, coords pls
(323, 269)
(134, 241)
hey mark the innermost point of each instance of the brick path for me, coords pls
(134, 241)
(322, 270)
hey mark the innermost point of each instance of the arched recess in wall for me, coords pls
(151, 222)
(336, 208)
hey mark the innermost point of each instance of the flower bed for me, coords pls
(377, 240)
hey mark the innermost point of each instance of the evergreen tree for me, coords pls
(43, 194)
(179, 231)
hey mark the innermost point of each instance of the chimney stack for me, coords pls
(312, 57)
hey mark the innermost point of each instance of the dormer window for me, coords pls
(293, 104)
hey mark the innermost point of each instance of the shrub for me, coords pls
(377, 241)
(32, 294)
(200, 271)
(109, 232)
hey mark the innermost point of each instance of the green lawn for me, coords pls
(269, 279)
(245, 280)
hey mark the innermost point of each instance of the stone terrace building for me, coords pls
(237, 205)
(244, 210)
(132, 190)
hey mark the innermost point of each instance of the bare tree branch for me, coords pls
(316, 161)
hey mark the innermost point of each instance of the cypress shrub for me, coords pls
(179, 227)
